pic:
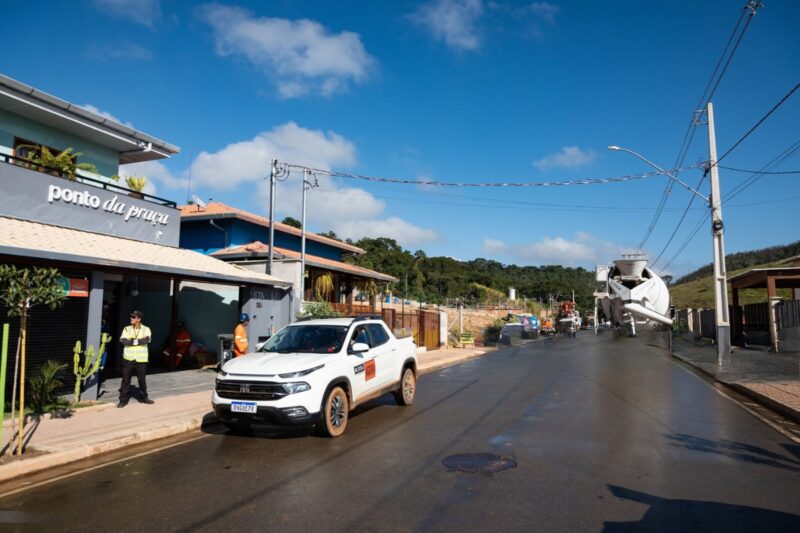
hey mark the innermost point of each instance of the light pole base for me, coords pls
(723, 343)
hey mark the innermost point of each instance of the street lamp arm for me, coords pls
(615, 148)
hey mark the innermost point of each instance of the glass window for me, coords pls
(361, 335)
(307, 339)
(377, 334)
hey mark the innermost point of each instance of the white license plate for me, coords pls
(243, 407)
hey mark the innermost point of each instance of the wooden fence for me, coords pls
(422, 325)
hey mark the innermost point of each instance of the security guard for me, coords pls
(240, 336)
(135, 339)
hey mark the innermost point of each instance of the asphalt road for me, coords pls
(607, 433)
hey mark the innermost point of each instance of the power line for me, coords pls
(775, 161)
(688, 137)
(699, 225)
(572, 182)
(764, 172)
(757, 124)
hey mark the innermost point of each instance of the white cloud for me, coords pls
(568, 157)
(584, 250)
(300, 56)
(105, 114)
(248, 161)
(346, 209)
(406, 234)
(452, 21)
(145, 12)
(156, 173)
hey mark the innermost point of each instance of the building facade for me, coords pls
(117, 249)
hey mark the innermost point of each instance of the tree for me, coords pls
(330, 235)
(20, 290)
(293, 222)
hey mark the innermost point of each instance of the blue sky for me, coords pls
(447, 90)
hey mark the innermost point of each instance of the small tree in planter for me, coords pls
(20, 290)
(65, 162)
(136, 184)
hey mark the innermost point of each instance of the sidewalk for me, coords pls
(770, 379)
(183, 400)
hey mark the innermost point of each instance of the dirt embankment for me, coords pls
(475, 321)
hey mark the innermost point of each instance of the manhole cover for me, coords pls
(478, 462)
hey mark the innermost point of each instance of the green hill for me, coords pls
(697, 289)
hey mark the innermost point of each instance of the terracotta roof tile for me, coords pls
(260, 249)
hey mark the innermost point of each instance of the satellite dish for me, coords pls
(196, 200)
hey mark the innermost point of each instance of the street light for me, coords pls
(715, 203)
(615, 148)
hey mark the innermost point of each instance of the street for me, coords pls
(607, 433)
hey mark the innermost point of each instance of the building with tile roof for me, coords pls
(234, 235)
(117, 249)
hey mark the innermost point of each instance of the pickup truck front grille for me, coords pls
(250, 390)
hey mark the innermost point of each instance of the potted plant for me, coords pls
(65, 163)
(136, 184)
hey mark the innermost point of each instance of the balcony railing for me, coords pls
(19, 162)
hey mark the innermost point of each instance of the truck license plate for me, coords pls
(243, 407)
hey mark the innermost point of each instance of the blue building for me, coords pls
(237, 236)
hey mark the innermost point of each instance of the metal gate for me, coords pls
(787, 313)
(756, 323)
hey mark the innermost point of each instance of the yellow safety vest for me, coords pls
(139, 352)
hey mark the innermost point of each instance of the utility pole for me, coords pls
(306, 186)
(717, 234)
(272, 171)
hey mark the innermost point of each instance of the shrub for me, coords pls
(317, 310)
(44, 386)
(492, 332)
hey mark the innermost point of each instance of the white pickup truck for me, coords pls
(314, 372)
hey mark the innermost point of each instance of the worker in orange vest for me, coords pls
(240, 336)
(183, 341)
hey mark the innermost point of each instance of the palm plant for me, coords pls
(136, 183)
(323, 285)
(65, 162)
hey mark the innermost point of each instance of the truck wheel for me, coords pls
(408, 386)
(334, 413)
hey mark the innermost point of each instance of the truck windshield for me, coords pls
(307, 339)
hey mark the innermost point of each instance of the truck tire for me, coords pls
(408, 387)
(334, 413)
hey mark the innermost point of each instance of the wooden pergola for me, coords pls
(771, 279)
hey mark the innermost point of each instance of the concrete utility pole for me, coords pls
(306, 186)
(717, 234)
(272, 171)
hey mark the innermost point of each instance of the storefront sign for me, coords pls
(75, 287)
(30, 195)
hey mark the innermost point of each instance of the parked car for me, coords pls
(314, 372)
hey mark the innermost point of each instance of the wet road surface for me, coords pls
(606, 433)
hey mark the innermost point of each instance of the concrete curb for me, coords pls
(744, 390)
(37, 464)
(33, 465)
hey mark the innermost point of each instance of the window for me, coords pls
(378, 334)
(360, 335)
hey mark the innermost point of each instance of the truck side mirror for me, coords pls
(359, 347)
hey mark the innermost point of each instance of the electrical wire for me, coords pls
(686, 242)
(757, 124)
(706, 97)
(581, 181)
(775, 161)
(753, 6)
(764, 172)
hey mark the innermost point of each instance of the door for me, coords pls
(387, 364)
(365, 364)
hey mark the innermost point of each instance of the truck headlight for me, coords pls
(300, 386)
(301, 373)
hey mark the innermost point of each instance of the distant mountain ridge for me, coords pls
(742, 260)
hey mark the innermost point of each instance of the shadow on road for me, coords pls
(741, 452)
(667, 514)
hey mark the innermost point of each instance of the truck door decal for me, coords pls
(369, 368)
